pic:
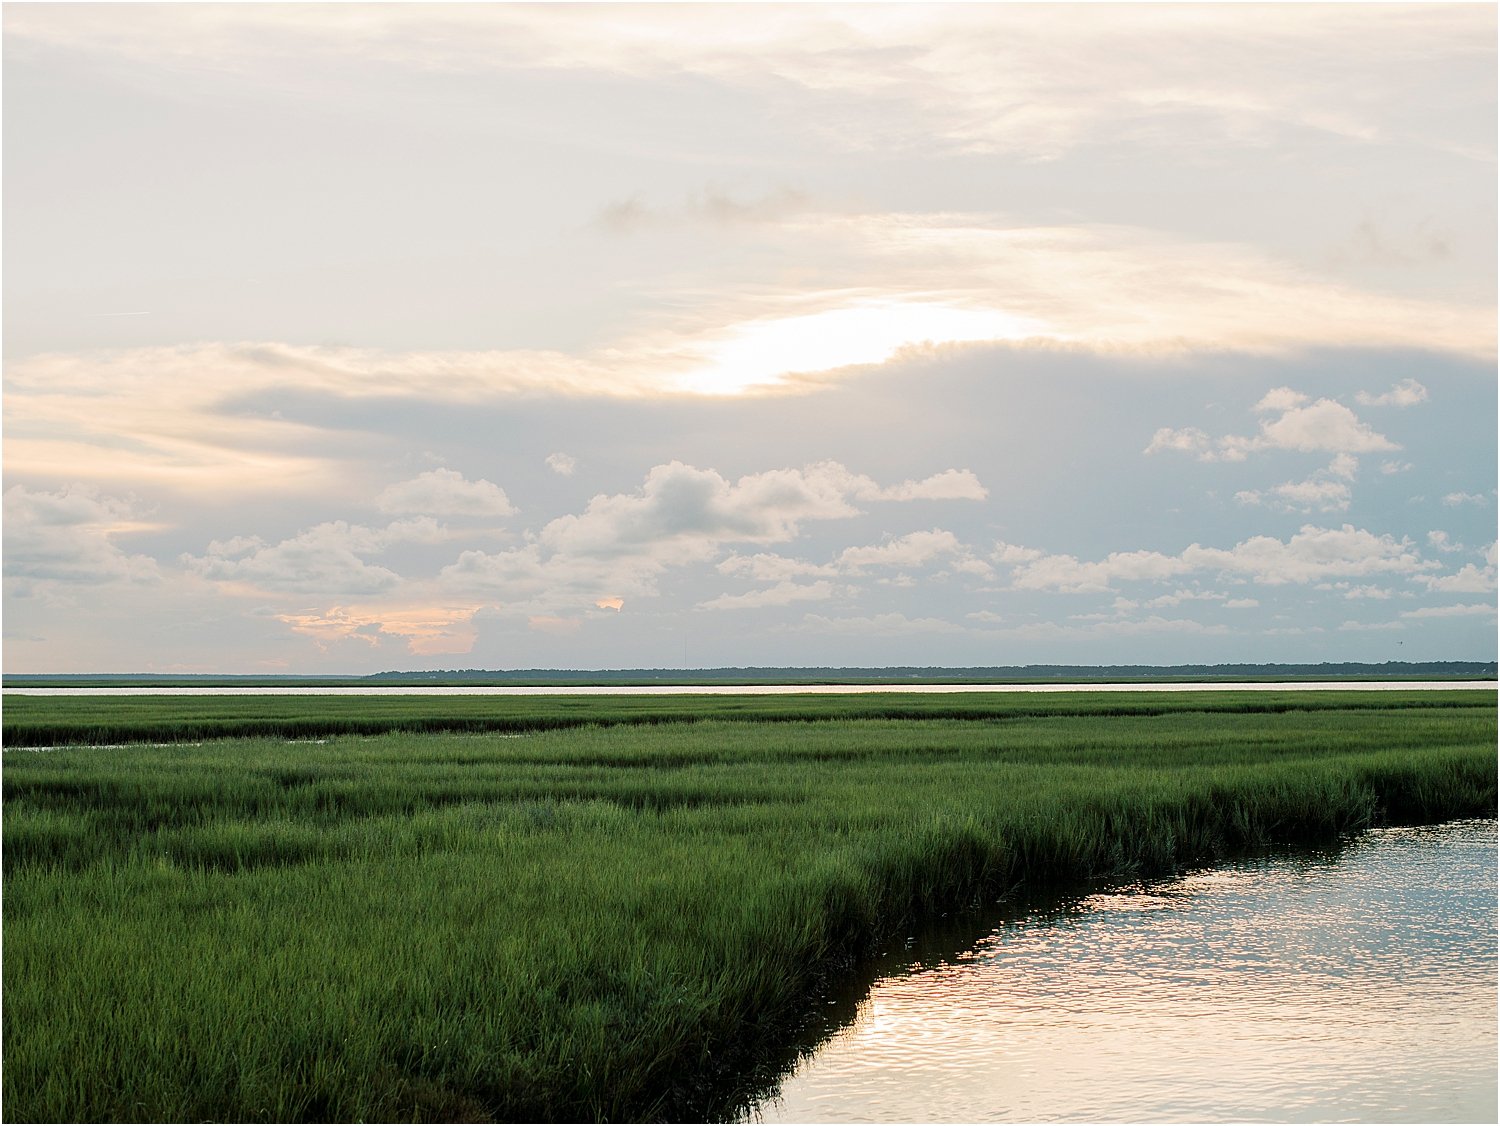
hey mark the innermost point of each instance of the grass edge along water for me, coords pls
(624, 914)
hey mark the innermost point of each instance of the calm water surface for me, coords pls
(1357, 985)
(762, 689)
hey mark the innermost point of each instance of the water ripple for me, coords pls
(1311, 987)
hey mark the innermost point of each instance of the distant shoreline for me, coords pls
(811, 677)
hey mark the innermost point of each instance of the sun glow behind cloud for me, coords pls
(761, 353)
(760, 282)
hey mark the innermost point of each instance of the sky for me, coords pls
(347, 338)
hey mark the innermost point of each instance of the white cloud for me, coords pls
(782, 594)
(1176, 598)
(69, 537)
(1067, 574)
(915, 549)
(562, 464)
(1473, 609)
(445, 492)
(1407, 393)
(1312, 495)
(1311, 554)
(1343, 466)
(769, 567)
(1324, 426)
(1390, 468)
(1441, 541)
(1468, 579)
(1281, 399)
(951, 484)
(1453, 500)
(1325, 491)
(1011, 554)
(1189, 440)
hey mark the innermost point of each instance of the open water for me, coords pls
(1349, 985)
(765, 689)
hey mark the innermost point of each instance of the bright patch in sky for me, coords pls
(640, 336)
(761, 354)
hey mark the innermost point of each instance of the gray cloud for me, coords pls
(68, 536)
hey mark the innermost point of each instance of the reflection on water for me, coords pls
(765, 689)
(1336, 986)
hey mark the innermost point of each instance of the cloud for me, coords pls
(68, 537)
(951, 484)
(1369, 590)
(1189, 440)
(425, 629)
(187, 415)
(915, 549)
(1011, 554)
(1281, 399)
(1067, 574)
(1312, 495)
(1155, 623)
(1033, 83)
(562, 464)
(782, 594)
(1453, 500)
(1474, 609)
(1468, 579)
(697, 509)
(1176, 598)
(1324, 426)
(911, 551)
(1407, 393)
(1311, 554)
(324, 559)
(445, 492)
(621, 543)
(1441, 541)
(770, 567)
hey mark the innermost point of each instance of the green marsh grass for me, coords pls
(604, 910)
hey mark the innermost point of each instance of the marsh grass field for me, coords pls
(470, 909)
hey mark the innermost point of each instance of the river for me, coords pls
(1350, 985)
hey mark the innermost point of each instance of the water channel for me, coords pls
(1356, 984)
(762, 689)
